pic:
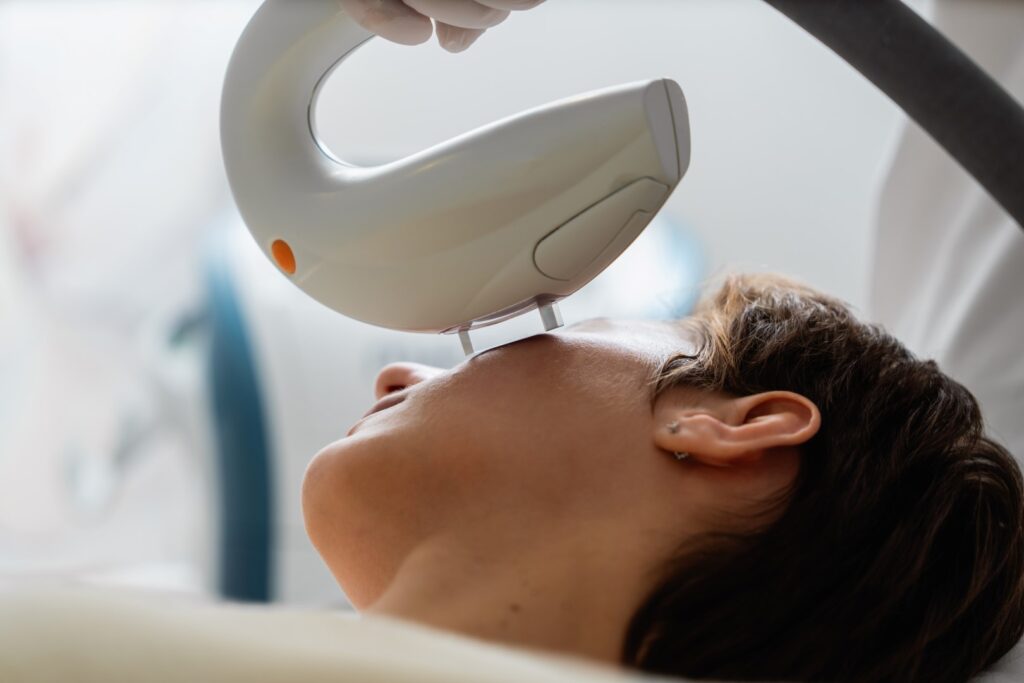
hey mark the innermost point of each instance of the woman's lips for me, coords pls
(388, 401)
(392, 399)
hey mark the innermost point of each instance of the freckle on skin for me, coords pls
(515, 607)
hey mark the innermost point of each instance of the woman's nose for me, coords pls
(398, 376)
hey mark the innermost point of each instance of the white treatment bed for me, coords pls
(89, 636)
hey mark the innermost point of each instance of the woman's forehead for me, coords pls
(646, 344)
(657, 336)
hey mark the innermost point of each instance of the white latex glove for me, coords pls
(459, 22)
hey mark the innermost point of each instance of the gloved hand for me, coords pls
(459, 22)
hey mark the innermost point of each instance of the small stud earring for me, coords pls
(673, 427)
(681, 456)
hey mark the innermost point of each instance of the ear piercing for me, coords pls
(673, 428)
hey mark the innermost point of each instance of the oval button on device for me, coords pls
(567, 250)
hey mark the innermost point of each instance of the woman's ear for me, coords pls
(724, 431)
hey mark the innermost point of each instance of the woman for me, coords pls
(769, 490)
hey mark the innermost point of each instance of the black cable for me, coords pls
(941, 88)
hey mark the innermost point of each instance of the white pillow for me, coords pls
(104, 637)
(91, 636)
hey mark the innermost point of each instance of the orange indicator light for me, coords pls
(283, 256)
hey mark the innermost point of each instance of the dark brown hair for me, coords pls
(898, 553)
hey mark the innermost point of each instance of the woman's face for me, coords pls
(552, 436)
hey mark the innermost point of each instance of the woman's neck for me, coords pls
(563, 599)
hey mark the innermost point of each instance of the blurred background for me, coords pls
(162, 387)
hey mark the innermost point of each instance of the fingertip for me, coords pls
(408, 30)
(454, 39)
(454, 49)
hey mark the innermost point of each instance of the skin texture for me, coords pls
(530, 495)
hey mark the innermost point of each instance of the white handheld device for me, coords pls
(509, 217)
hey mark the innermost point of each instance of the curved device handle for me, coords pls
(287, 51)
(458, 235)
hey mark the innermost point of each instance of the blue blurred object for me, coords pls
(244, 471)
